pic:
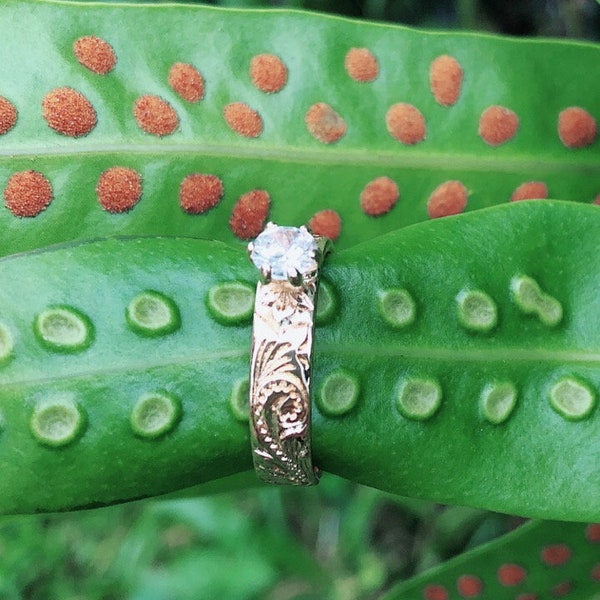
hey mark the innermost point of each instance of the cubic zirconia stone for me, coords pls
(284, 251)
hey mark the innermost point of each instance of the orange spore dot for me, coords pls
(268, 73)
(249, 214)
(27, 193)
(595, 574)
(379, 196)
(186, 81)
(361, 64)
(405, 123)
(435, 592)
(155, 115)
(119, 189)
(498, 125)
(592, 533)
(596, 200)
(510, 574)
(8, 115)
(68, 112)
(449, 198)
(95, 54)
(324, 124)
(199, 193)
(445, 79)
(576, 127)
(243, 120)
(527, 596)
(556, 554)
(530, 190)
(326, 223)
(469, 586)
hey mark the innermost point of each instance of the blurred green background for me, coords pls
(554, 18)
(339, 541)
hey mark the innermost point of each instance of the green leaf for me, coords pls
(541, 559)
(195, 367)
(536, 79)
(420, 425)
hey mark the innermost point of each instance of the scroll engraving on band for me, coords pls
(280, 381)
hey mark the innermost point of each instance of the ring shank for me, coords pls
(280, 382)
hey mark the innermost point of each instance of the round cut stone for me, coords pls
(284, 251)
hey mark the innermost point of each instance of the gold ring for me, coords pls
(288, 259)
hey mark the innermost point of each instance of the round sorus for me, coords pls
(155, 115)
(449, 198)
(27, 193)
(324, 124)
(498, 125)
(405, 123)
(8, 115)
(68, 112)
(119, 189)
(95, 54)
(530, 190)
(361, 64)
(556, 555)
(445, 79)
(576, 127)
(326, 223)
(249, 214)
(243, 120)
(510, 574)
(469, 586)
(199, 193)
(435, 592)
(379, 196)
(268, 73)
(186, 81)
(592, 533)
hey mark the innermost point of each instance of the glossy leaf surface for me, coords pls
(538, 461)
(535, 79)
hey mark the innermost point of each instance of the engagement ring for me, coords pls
(288, 259)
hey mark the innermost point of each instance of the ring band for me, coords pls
(288, 259)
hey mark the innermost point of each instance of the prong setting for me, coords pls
(285, 254)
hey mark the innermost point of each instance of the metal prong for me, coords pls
(295, 278)
(325, 246)
(265, 275)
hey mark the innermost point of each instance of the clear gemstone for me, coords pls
(284, 251)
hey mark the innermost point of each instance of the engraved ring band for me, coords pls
(288, 259)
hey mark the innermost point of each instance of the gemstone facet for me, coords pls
(284, 251)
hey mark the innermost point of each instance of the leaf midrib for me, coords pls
(448, 355)
(507, 354)
(326, 156)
